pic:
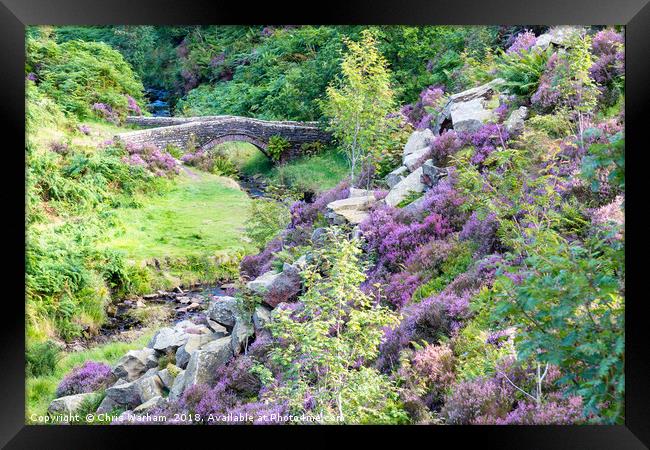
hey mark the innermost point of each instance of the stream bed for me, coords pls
(128, 319)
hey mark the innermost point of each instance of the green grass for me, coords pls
(40, 391)
(201, 214)
(312, 173)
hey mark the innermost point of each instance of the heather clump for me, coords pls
(393, 240)
(523, 41)
(159, 162)
(89, 377)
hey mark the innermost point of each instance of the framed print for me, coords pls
(410, 219)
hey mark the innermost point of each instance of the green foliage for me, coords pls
(266, 219)
(359, 104)
(279, 77)
(276, 147)
(569, 311)
(458, 261)
(410, 198)
(338, 326)
(556, 125)
(150, 50)
(522, 71)
(432, 55)
(605, 161)
(77, 74)
(311, 173)
(311, 148)
(42, 358)
(476, 358)
(40, 390)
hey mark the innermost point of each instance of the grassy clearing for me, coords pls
(201, 214)
(40, 391)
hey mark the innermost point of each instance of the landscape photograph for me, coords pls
(330, 225)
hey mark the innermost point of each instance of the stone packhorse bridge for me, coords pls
(209, 131)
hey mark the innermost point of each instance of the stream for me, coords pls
(127, 321)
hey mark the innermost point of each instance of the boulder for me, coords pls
(217, 328)
(413, 160)
(418, 140)
(401, 190)
(471, 108)
(149, 388)
(431, 174)
(193, 343)
(241, 332)
(515, 122)
(134, 393)
(262, 283)
(261, 317)
(136, 362)
(318, 236)
(204, 362)
(167, 340)
(147, 406)
(355, 192)
(396, 176)
(557, 35)
(223, 310)
(176, 391)
(68, 405)
(167, 377)
(107, 405)
(354, 209)
(124, 394)
(284, 287)
(150, 373)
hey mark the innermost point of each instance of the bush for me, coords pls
(89, 377)
(276, 147)
(266, 219)
(522, 70)
(42, 358)
(86, 79)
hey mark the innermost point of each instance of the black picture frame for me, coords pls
(16, 14)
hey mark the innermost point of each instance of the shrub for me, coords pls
(470, 400)
(483, 232)
(422, 322)
(557, 125)
(429, 373)
(42, 358)
(276, 147)
(608, 48)
(85, 76)
(393, 241)
(304, 214)
(522, 69)
(89, 377)
(445, 145)
(266, 219)
(523, 42)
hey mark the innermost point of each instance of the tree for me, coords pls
(358, 106)
(327, 345)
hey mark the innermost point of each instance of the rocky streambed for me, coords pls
(129, 318)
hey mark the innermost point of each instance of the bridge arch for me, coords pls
(237, 137)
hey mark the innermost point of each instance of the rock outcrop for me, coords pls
(470, 109)
(353, 209)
